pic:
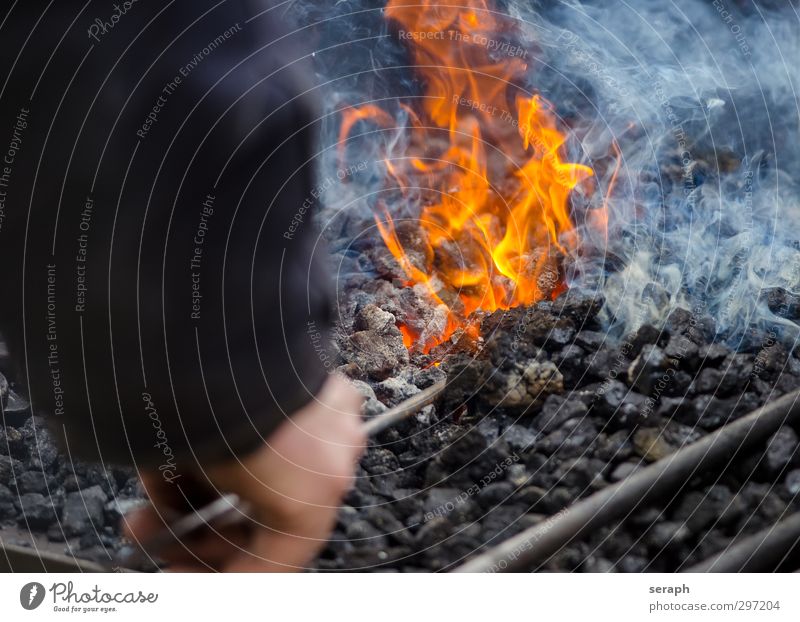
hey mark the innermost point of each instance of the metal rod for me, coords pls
(404, 409)
(655, 481)
(756, 553)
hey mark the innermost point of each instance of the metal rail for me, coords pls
(22, 559)
(226, 509)
(756, 553)
(539, 542)
(657, 480)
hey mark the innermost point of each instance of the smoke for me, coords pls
(687, 110)
(701, 98)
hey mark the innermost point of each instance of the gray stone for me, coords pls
(32, 481)
(527, 384)
(84, 510)
(519, 437)
(792, 482)
(556, 410)
(9, 468)
(37, 511)
(394, 390)
(7, 509)
(782, 449)
(3, 389)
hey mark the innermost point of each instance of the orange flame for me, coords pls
(500, 215)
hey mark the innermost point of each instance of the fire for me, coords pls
(492, 154)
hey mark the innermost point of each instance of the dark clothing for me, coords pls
(158, 266)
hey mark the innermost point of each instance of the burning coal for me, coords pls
(639, 153)
(495, 182)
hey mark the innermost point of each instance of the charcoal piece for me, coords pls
(782, 303)
(37, 511)
(594, 564)
(379, 457)
(770, 361)
(6, 363)
(394, 390)
(523, 385)
(569, 361)
(701, 330)
(712, 354)
(12, 443)
(466, 376)
(580, 473)
(424, 378)
(83, 511)
(580, 308)
(383, 482)
(521, 332)
(3, 390)
(557, 410)
(792, 482)
(683, 350)
(377, 347)
(713, 381)
(698, 509)
(656, 443)
(647, 334)
(432, 532)
(33, 481)
(650, 444)
(591, 340)
(9, 468)
(669, 535)
(769, 507)
(648, 369)
(677, 387)
(783, 450)
(494, 495)
(574, 438)
(598, 364)
(17, 409)
(554, 501)
(519, 437)
(621, 406)
(91, 474)
(529, 496)
(372, 318)
(517, 475)
(371, 406)
(633, 563)
(363, 534)
(739, 367)
(614, 447)
(42, 450)
(7, 509)
(785, 383)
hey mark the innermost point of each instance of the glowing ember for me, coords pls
(491, 153)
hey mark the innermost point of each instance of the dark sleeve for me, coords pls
(164, 290)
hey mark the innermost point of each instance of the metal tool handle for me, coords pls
(404, 409)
